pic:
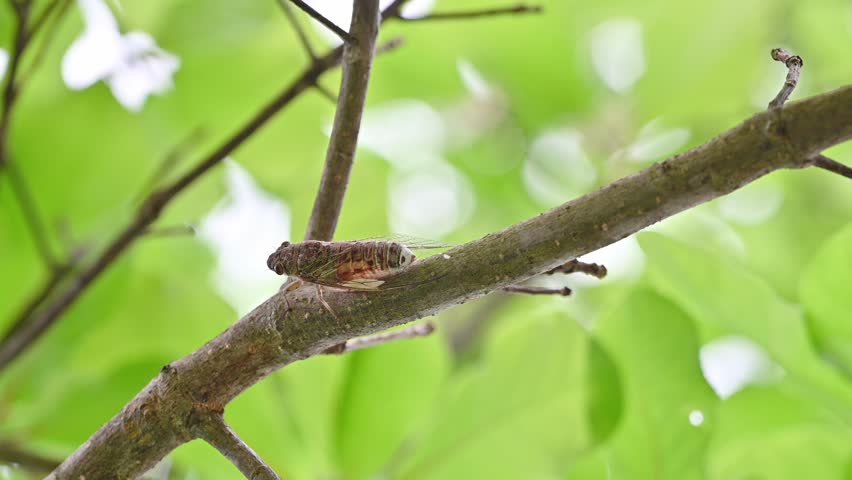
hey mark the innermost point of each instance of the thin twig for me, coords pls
(51, 29)
(821, 161)
(172, 159)
(466, 15)
(32, 218)
(576, 266)
(357, 61)
(794, 65)
(564, 291)
(171, 231)
(11, 85)
(213, 430)
(297, 27)
(11, 453)
(12, 345)
(414, 331)
(343, 34)
(326, 93)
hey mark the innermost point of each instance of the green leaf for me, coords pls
(655, 346)
(725, 299)
(824, 291)
(773, 432)
(524, 411)
(387, 391)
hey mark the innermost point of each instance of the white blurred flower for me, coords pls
(242, 231)
(430, 202)
(753, 204)
(407, 133)
(730, 364)
(132, 64)
(4, 62)
(617, 52)
(654, 142)
(557, 168)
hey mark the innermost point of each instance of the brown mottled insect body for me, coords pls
(350, 264)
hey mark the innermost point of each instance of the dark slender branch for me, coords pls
(172, 159)
(466, 15)
(529, 290)
(32, 218)
(794, 66)
(13, 344)
(171, 231)
(213, 430)
(11, 453)
(343, 34)
(291, 326)
(10, 92)
(821, 161)
(414, 331)
(53, 280)
(297, 27)
(51, 25)
(576, 266)
(357, 61)
(326, 93)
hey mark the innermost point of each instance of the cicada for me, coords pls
(356, 265)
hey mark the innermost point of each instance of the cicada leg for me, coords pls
(289, 287)
(325, 304)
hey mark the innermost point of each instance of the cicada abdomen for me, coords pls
(357, 265)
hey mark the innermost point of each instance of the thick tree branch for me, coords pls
(357, 62)
(13, 343)
(213, 430)
(281, 331)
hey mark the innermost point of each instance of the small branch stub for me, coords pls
(794, 66)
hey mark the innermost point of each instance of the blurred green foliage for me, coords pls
(603, 385)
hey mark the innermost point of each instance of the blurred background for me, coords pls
(719, 346)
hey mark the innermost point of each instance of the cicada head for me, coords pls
(280, 258)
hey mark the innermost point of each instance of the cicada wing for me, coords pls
(414, 243)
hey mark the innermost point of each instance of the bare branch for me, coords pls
(576, 266)
(821, 161)
(343, 34)
(357, 61)
(12, 345)
(51, 25)
(794, 65)
(414, 331)
(172, 159)
(32, 218)
(10, 92)
(171, 231)
(297, 27)
(11, 453)
(467, 15)
(530, 290)
(273, 335)
(213, 430)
